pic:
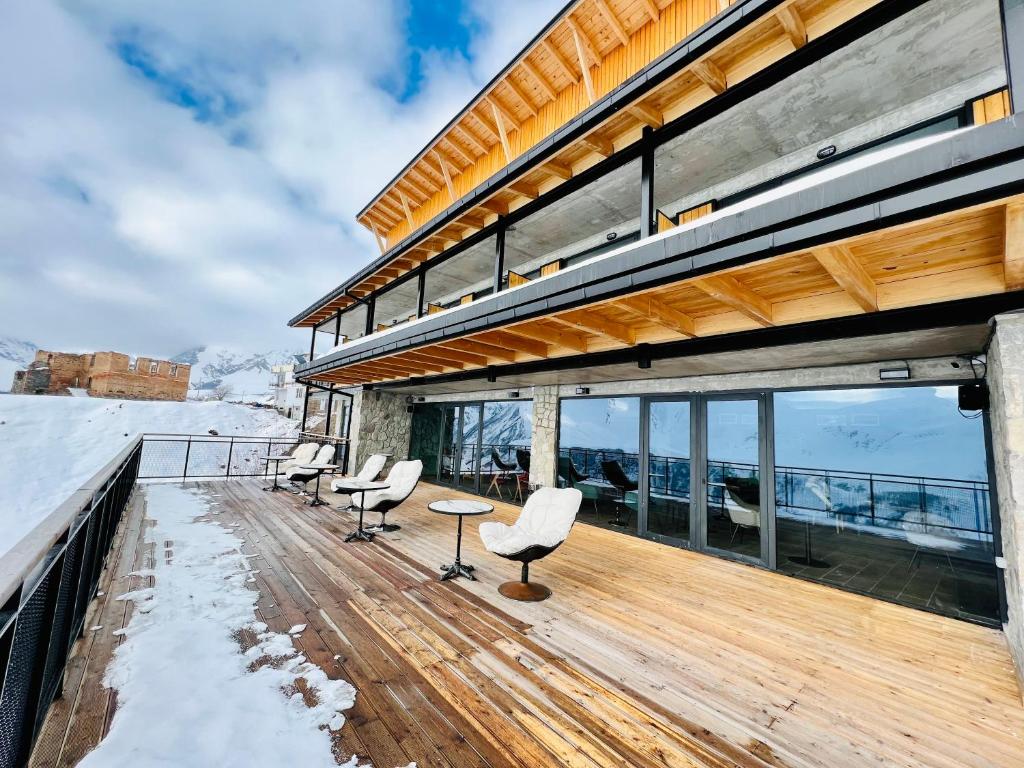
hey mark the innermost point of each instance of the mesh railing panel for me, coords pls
(163, 458)
(26, 655)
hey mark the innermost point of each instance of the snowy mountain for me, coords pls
(14, 355)
(246, 374)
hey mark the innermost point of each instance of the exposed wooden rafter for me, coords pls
(538, 78)
(406, 208)
(652, 10)
(559, 60)
(1013, 266)
(793, 24)
(731, 292)
(647, 115)
(588, 81)
(599, 144)
(711, 75)
(659, 313)
(588, 47)
(849, 274)
(501, 131)
(613, 21)
(447, 177)
(517, 343)
(558, 169)
(558, 338)
(599, 324)
(524, 99)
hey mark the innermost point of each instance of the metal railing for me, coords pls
(873, 499)
(47, 581)
(167, 456)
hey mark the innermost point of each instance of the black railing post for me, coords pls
(188, 450)
(231, 450)
(871, 498)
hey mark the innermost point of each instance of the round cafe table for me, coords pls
(316, 501)
(277, 469)
(353, 486)
(460, 508)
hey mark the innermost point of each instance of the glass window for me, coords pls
(504, 448)
(353, 323)
(668, 508)
(885, 492)
(602, 215)
(323, 337)
(599, 454)
(928, 70)
(464, 277)
(396, 304)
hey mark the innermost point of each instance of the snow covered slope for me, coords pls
(14, 355)
(246, 374)
(50, 445)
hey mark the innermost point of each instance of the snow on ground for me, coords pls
(185, 692)
(50, 445)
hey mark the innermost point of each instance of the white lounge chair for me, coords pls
(371, 468)
(401, 480)
(302, 476)
(303, 454)
(543, 525)
(743, 514)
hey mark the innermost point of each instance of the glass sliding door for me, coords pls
(734, 505)
(668, 469)
(885, 492)
(469, 449)
(450, 426)
(505, 449)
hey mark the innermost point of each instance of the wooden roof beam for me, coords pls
(381, 243)
(647, 115)
(471, 138)
(492, 130)
(1013, 267)
(555, 168)
(459, 151)
(559, 60)
(658, 313)
(505, 112)
(406, 208)
(539, 79)
(427, 355)
(412, 190)
(588, 81)
(588, 47)
(793, 25)
(613, 21)
(844, 268)
(521, 95)
(652, 10)
(501, 131)
(711, 75)
(494, 205)
(443, 353)
(599, 144)
(524, 189)
(490, 351)
(515, 343)
(733, 293)
(428, 366)
(598, 324)
(447, 177)
(426, 184)
(576, 342)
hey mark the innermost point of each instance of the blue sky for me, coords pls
(180, 172)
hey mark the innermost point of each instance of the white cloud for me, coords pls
(215, 197)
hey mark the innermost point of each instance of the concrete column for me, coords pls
(381, 423)
(1006, 389)
(544, 443)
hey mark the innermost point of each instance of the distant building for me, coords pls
(288, 393)
(103, 374)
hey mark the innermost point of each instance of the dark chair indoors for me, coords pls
(502, 471)
(543, 525)
(523, 476)
(615, 475)
(575, 479)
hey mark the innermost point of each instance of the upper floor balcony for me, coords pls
(884, 89)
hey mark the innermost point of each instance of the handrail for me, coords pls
(47, 581)
(22, 558)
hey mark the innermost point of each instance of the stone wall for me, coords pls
(544, 442)
(1006, 389)
(381, 423)
(105, 374)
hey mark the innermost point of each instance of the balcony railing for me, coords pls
(47, 581)
(877, 500)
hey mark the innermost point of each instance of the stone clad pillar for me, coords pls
(544, 442)
(381, 423)
(1006, 390)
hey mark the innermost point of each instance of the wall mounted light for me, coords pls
(582, 390)
(513, 395)
(894, 374)
(826, 152)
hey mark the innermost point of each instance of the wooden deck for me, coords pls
(645, 656)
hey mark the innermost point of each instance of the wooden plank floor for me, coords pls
(646, 655)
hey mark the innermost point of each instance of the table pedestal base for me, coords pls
(384, 528)
(457, 569)
(359, 535)
(528, 593)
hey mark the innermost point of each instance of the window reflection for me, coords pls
(599, 454)
(885, 492)
(668, 493)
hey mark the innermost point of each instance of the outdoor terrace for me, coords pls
(646, 655)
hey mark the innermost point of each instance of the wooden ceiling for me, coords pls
(971, 252)
(553, 82)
